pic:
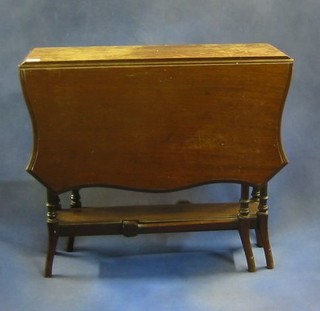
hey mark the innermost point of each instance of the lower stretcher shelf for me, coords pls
(131, 220)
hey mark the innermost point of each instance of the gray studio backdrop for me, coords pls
(291, 25)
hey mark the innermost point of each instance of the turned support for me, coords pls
(262, 215)
(255, 197)
(255, 194)
(53, 204)
(244, 227)
(74, 203)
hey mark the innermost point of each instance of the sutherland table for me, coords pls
(156, 118)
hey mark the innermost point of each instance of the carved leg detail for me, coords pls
(255, 197)
(244, 227)
(244, 231)
(52, 245)
(75, 203)
(70, 244)
(258, 237)
(53, 204)
(263, 227)
(255, 194)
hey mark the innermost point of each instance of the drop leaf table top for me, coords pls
(155, 118)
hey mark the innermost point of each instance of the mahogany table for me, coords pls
(156, 119)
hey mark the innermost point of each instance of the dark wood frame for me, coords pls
(161, 118)
(250, 213)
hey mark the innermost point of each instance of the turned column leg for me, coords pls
(53, 204)
(244, 227)
(263, 226)
(74, 203)
(255, 197)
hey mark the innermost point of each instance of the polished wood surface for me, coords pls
(86, 56)
(152, 218)
(152, 213)
(157, 118)
(183, 118)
